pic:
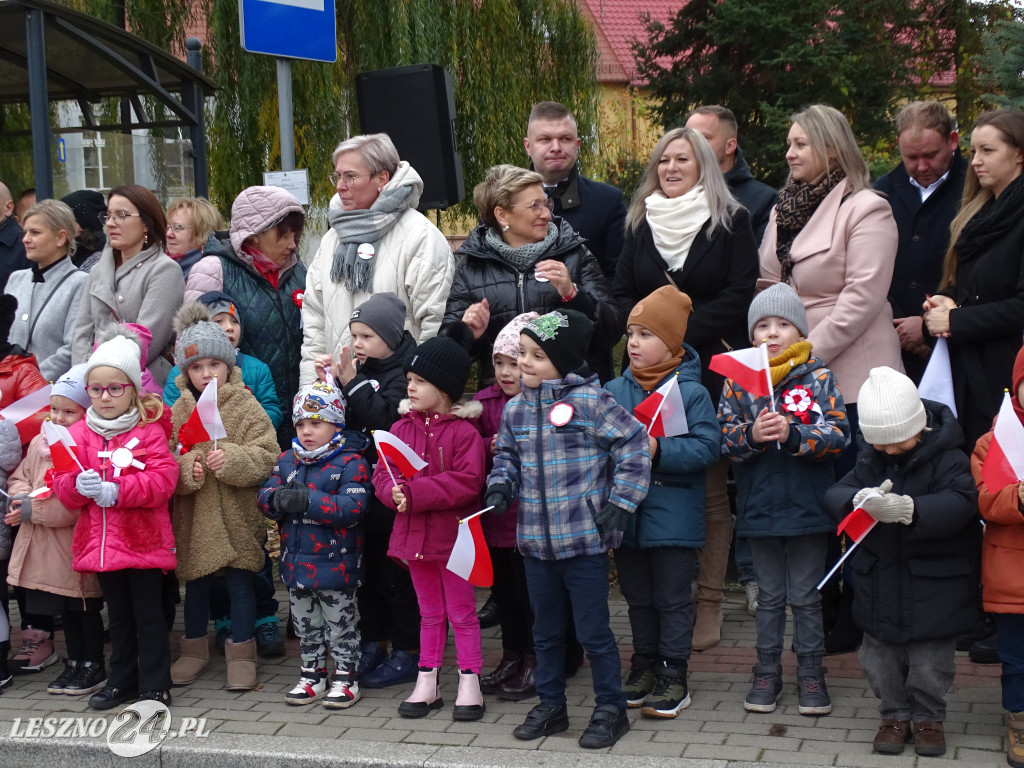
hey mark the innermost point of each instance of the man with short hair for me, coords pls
(596, 210)
(718, 125)
(12, 250)
(924, 191)
(25, 201)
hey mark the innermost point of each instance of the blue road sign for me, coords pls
(292, 29)
(62, 154)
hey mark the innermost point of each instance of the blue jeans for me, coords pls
(744, 560)
(583, 581)
(1010, 645)
(239, 584)
(788, 571)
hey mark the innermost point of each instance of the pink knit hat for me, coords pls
(507, 340)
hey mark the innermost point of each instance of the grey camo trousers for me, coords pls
(325, 621)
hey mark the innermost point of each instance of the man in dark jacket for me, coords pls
(597, 211)
(924, 191)
(718, 125)
(12, 250)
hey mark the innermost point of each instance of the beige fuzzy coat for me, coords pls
(216, 520)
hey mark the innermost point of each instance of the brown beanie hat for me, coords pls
(664, 313)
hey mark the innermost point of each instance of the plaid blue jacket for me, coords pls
(564, 474)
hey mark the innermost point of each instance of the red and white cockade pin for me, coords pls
(561, 414)
(123, 457)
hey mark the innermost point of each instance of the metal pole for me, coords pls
(284, 114)
(39, 103)
(194, 99)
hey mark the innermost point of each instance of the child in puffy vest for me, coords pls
(782, 460)
(319, 493)
(580, 465)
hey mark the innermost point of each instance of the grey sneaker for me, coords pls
(750, 589)
(764, 693)
(670, 694)
(640, 680)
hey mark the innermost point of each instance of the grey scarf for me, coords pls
(108, 428)
(525, 256)
(364, 226)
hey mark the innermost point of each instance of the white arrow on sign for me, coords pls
(309, 5)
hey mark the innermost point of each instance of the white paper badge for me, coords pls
(540, 279)
(365, 251)
(561, 414)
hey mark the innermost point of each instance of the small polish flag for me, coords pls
(470, 557)
(663, 412)
(747, 367)
(204, 424)
(857, 524)
(1004, 463)
(29, 412)
(394, 451)
(41, 493)
(62, 448)
(937, 381)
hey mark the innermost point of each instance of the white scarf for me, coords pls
(675, 222)
(110, 428)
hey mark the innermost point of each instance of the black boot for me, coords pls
(489, 615)
(984, 651)
(5, 671)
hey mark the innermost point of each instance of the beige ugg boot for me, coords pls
(714, 561)
(241, 665)
(1015, 752)
(193, 661)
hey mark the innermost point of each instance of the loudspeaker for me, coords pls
(415, 106)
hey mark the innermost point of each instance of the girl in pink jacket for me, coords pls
(123, 533)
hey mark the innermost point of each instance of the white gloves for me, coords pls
(891, 508)
(88, 483)
(107, 497)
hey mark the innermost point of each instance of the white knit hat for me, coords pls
(122, 353)
(889, 408)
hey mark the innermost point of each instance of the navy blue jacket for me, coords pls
(756, 196)
(12, 250)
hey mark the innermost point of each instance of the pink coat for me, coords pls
(842, 268)
(499, 530)
(136, 533)
(450, 487)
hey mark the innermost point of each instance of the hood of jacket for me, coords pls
(943, 433)
(256, 210)
(740, 171)
(464, 409)
(688, 370)
(405, 176)
(556, 389)
(476, 245)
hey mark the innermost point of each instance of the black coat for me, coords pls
(756, 196)
(482, 274)
(919, 581)
(12, 250)
(719, 277)
(598, 212)
(985, 332)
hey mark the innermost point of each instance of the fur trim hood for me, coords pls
(464, 409)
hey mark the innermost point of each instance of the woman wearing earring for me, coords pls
(134, 281)
(521, 259)
(48, 294)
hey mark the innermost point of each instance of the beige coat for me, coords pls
(41, 558)
(842, 267)
(216, 521)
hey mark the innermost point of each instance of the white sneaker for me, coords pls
(751, 589)
(344, 692)
(311, 686)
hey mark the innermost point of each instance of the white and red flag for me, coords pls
(470, 557)
(204, 424)
(857, 525)
(394, 451)
(662, 411)
(62, 448)
(747, 367)
(1004, 462)
(29, 412)
(937, 381)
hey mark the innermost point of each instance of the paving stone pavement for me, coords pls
(257, 728)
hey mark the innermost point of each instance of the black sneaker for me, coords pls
(268, 640)
(764, 693)
(813, 693)
(543, 720)
(608, 724)
(56, 688)
(670, 694)
(90, 677)
(164, 697)
(111, 697)
(640, 680)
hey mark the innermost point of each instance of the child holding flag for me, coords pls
(439, 429)
(319, 493)
(915, 572)
(41, 560)
(217, 524)
(782, 434)
(658, 554)
(580, 465)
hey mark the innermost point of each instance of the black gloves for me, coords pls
(292, 499)
(498, 500)
(611, 518)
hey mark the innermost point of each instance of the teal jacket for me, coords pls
(256, 377)
(672, 515)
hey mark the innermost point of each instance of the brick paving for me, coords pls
(714, 728)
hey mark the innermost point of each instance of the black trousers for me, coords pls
(140, 651)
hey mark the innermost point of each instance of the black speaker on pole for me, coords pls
(415, 106)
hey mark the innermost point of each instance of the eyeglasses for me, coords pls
(95, 391)
(536, 205)
(119, 215)
(177, 227)
(349, 178)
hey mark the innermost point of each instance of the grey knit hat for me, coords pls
(384, 313)
(219, 302)
(889, 408)
(199, 337)
(780, 300)
(72, 386)
(121, 351)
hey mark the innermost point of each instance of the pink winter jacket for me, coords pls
(447, 489)
(136, 533)
(499, 530)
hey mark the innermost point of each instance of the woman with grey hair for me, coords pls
(49, 292)
(378, 242)
(684, 228)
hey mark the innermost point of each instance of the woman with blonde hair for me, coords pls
(684, 228)
(190, 223)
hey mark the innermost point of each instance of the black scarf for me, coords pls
(797, 203)
(997, 217)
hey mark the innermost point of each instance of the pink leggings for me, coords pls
(442, 594)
